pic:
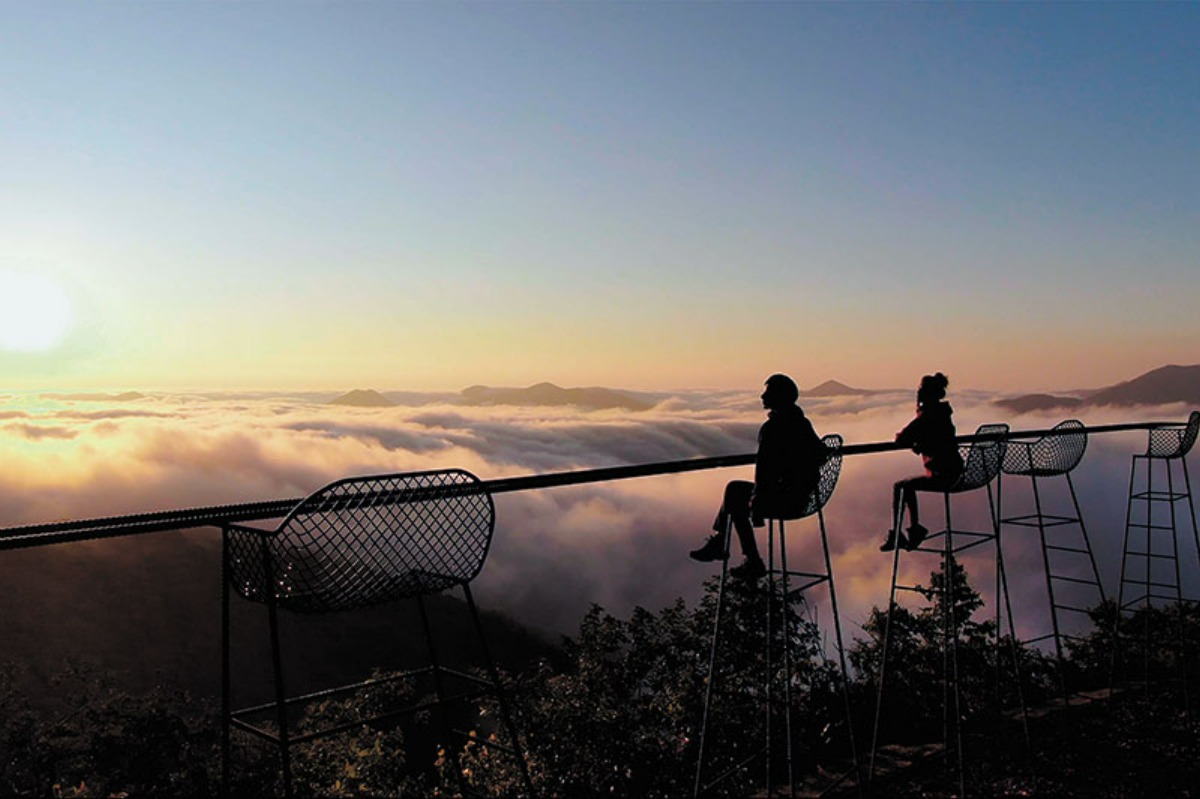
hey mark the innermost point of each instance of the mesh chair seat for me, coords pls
(827, 480)
(1049, 456)
(1174, 441)
(367, 540)
(358, 542)
(981, 460)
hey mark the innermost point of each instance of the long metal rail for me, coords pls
(61, 532)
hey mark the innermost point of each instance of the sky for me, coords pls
(318, 195)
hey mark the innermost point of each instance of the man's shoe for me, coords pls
(713, 549)
(890, 543)
(750, 570)
(916, 534)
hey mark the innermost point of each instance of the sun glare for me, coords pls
(35, 313)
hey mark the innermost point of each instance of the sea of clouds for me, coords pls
(618, 544)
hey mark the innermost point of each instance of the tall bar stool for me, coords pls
(1168, 445)
(981, 465)
(1063, 534)
(780, 594)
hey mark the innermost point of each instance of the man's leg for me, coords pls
(736, 507)
(736, 504)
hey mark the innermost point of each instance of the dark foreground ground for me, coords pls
(1135, 745)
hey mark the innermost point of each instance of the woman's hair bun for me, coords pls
(934, 386)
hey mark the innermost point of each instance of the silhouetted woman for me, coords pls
(931, 434)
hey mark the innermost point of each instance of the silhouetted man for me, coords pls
(786, 471)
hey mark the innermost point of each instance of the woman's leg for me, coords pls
(905, 491)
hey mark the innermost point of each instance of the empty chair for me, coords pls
(1071, 583)
(354, 543)
(1150, 570)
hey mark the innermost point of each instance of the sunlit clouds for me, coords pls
(556, 551)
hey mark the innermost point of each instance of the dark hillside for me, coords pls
(148, 609)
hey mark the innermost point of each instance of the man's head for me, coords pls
(781, 392)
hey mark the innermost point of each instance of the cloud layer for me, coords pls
(556, 551)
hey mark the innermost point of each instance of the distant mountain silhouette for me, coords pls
(1163, 385)
(124, 396)
(360, 398)
(832, 388)
(548, 394)
(1031, 403)
(1158, 387)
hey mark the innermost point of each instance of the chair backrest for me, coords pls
(831, 469)
(1049, 455)
(981, 459)
(1175, 441)
(365, 540)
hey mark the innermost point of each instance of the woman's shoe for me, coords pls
(916, 534)
(890, 543)
(750, 570)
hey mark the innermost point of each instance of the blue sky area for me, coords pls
(420, 195)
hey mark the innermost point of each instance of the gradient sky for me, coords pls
(411, 195)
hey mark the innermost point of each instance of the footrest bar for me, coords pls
(1072, 608)
(1076, 580)
(1058, 548)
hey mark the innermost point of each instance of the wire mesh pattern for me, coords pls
(981, 459)
(366, 540)
(1174, 441)
(831, 469)
(1049, 455)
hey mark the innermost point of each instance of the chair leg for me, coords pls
(1114, 656)
(226, 708)
(501, 694)
(1187, 488)
(1087, 541)
(770, 677)
(439, 691)
(883, 652)
(1002, 579)
(950, 568)
(1187, 705)
(837, 631)
(1148, 578)
(1060, 661)
(787, 662)
(712, 661)
(285, 754)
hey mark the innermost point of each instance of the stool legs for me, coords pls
(1152, 585)
(712, 662)
(952, 702)
(887, 634)
(1058, 575)
(777, 626)
(1149, 583)
(837, 631)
